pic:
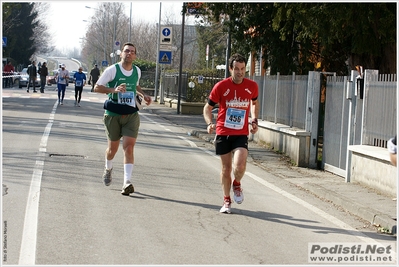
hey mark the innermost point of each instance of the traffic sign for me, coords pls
(200, 79)
(4, 41)
(165, 47)
(117, 45)
(195, 8)
(165, 57)
(104, 63)
(166, 35)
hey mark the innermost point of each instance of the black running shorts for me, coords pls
(226, 144)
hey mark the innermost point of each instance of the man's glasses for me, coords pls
(127, 51)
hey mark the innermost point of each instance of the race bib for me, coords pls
(79, 83)
(126, 98)
(235, 118)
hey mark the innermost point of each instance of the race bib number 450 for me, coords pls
(235, 118)
(127, 98)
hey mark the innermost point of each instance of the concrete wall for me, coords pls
(371, 166)
(294, 143)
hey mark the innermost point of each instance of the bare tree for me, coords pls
(145, 37)
(41, 32)
(110, 23)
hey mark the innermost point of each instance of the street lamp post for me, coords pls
(114, 36)
(157, 61)
(130, 24)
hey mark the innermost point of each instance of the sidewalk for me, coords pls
(378, 209)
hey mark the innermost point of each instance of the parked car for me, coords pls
(15, 78)
(71, 78)
(24, 78)
(51, 77)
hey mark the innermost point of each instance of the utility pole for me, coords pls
(228, 52)
(181, 59)
(157, 60)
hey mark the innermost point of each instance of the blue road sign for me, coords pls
(166, 36)
(104, 63)
(165, 57)
(166, 31)
(4, 41)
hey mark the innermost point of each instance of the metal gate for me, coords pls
(358, 111)
(336, 121)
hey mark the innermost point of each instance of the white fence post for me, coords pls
(276, 100)
(292, 98)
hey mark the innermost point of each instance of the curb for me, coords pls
(371, 215)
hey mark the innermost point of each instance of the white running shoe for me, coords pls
(238, 195)
(226, 208)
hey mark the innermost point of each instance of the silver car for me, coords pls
(24, 78)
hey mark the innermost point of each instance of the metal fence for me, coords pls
(202, 85)
(283, 99)
(170, 85)
(147, 79)
(379, 118)
(373, 119)
(366, 118)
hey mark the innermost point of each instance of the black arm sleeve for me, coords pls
(211, 103)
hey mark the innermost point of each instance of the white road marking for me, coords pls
(191, 143)
(27, 254)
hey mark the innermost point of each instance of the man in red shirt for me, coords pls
(237, 98)
(8, 70)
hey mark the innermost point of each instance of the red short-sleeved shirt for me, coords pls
(234, 105)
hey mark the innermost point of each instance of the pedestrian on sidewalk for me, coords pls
(62, 81)
(121, 118)
(80, 81)
(43, 72)
(32, 73)
(237, 98)
(94, 75)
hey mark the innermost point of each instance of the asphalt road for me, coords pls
(57, 211)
